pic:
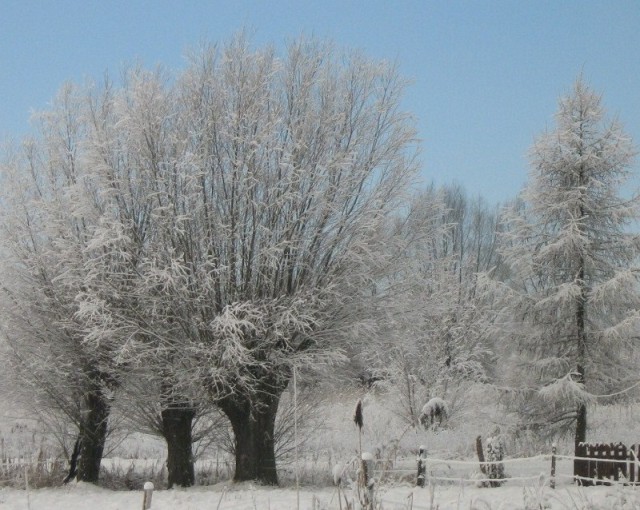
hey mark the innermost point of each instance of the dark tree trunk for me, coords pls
(177, 421)
(581, 329)
(253, 424)
(581, 415)
(581, 411)
(480, 452)
(73, 462)
(92, 437)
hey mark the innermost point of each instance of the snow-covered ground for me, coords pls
(334, 442)
(86, 496)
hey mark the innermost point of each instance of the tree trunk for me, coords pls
(177, 421)
(253, 424)
(480, 452)
(581, 411)
(581, 416)
(73, 462)
(93, 434)
(581, 421)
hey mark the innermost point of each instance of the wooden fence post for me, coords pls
(480, 453)
(634, 473)
(581, 467)
(422, 466)
(552, 481)
(148, 493)
(366, 479)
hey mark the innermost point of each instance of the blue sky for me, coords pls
(486, 74)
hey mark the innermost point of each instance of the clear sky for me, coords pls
(486, 74)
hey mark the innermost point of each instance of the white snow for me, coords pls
(83, 496)
(435, 404)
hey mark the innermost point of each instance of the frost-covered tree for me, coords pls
(122, 309)
(48, 217)
(287, 171)
(470, 240)
(567, 315)
(242, 227)
(74, 230)
(437, 345)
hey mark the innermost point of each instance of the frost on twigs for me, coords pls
(213, 229)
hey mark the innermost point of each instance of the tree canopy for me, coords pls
(223, 225)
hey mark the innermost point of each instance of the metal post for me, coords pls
(26, 486)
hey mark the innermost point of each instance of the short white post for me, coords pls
(26, 485)
(148, 493)
(295, 436)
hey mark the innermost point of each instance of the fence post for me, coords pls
(634, 476)
(552, 480)
(581, 467)
(422, 467)
(480, 452)
(148, 493)
(26, 485)
(366, 479)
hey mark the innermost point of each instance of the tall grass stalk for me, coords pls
(295, 434)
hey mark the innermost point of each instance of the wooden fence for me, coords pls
(602, 463)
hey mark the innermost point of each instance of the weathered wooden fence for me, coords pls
(602, 463)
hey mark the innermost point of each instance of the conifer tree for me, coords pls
(568, 311)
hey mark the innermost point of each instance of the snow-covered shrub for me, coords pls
(434, 413)
(495, 455)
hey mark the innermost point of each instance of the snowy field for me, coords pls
(332, 442)
(85, 496)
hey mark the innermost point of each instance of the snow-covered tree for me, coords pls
(74, 229)
(289, 172)
(567, 315)
(242, 225)
(48, 217)
(438, 344)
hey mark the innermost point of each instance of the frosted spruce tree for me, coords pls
(568, 308)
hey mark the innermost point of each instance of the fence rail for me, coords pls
(596, 464)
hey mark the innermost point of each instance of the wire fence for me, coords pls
(534, 470)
